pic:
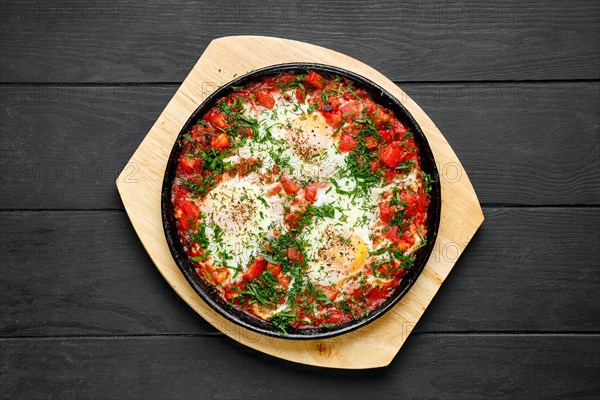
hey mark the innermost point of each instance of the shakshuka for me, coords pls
(301, 200)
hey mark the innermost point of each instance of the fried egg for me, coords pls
(239, 215)
(338, 247)
(305, 143)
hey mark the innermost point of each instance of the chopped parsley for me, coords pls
(200, 235)
(349, 89)
(264, 290)
(427, 181)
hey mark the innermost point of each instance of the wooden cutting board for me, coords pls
(139, 185)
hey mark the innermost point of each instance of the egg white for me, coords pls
(234, 207)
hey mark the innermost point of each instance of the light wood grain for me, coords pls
(372, 346)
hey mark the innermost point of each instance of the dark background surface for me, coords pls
(514, 86)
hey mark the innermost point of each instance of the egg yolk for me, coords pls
(309, 136)
(343, 255)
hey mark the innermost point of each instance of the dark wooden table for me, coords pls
(513, 85)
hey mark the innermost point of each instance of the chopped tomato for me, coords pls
(379, 293)
(330, 292)
(196, 251)
(189, 211)
(387, 212)
(351, 107)
(334, 101)
(230, 294)
(199, 132)
(369, 105)
(274, 191)
(291, 219)
(271, 81)
(347, 143)
(189, 208)
(220, 141)
(216, 118)
(386, 134)
(408, 238)
(335, 317)
(220, 274)
(245, 131)
(381, 117)
(415, 205)
(289, 186)
(371, 142)
(265, 100)
(247, 165)
(391, 155)
(375, 166)
(333, 118)
(384, 270)
(299, 95)
(409, 198)
(293, 254)
(184, 221)
(392, 234)
(194, 132)
(358, 92)
(256, 268)
(410, 144)
(301, 321)
(310, 193)
(399, 130)
(190, 165)
(315, 80)
(274, 268)
(284, 280)
(352, 129)
(285, 79)
(389, 174)
(400, 272)
(179, 193)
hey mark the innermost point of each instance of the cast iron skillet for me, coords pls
(210, 295)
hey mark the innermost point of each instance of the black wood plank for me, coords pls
(98, 41)
(520, 143)
(85, 273)
(428, 366)
(63, 146)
